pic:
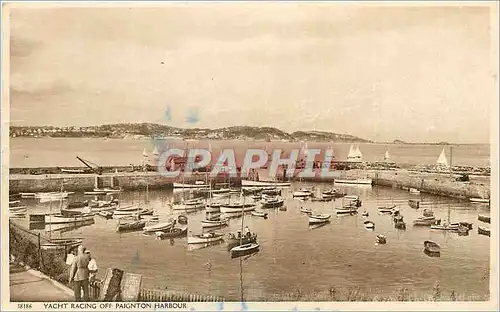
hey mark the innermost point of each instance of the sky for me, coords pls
(418, 74)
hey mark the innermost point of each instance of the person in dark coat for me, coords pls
(79, 275)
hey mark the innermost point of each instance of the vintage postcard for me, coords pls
(229, 156)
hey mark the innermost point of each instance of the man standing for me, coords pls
(69, 260)
(92, 267)
(79, 274)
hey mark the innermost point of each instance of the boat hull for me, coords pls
(59, 219)
(247, 183)
(200, 239)
(354, 181)
(191, 186)
(236, 209)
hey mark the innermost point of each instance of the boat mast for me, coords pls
(242, 217)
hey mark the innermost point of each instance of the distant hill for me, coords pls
(124, 130)
(326, 136)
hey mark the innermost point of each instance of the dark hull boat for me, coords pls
(244, 250)
(413, 203)
(131, 226)
(234, 241)
(483, 231)
(431, 246)
(172, 233)
(485, 219)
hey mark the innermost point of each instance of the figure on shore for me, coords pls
(92, 267)
(79, 275)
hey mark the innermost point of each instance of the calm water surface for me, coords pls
(51, 152)
(341, 254)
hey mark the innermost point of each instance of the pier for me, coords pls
(443, 184)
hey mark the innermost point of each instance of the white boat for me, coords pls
(95, 193)
(49, 197)
(244, 249)
(192, 186)
(212, 207)
(414, 191)
(319, 218)
(259, 214)
(18, 208)
(214, 223)
(272, 202)
(479, 200)
(57, 218)
(369, 224)
(366, 181)
(27, 195)
(386, 156)
(352, 197)
(387, 209)
(220, 191)
(305, 210)
(205, 238)
(107, 190)
(354, 155)
(302, 193)
(73, 170)
(237, 208)
(249, 183)
(17, 214)
(159, 226)
(130, 207)
(445, 227)
(184, 206)
(346, 210)
(442, 161)
(14, 202)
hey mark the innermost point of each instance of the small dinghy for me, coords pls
(182, 219)
(369, 224)
(322, 218)
(424, 221)
(381, 239)
(131, 226)
(214, 223)
(273, 202)
(305, 210)
(18, 209)
(171, 233)
(159, 227)
(413, 203)
(365, 214)
(386, 209)
(105, 214)
(256, 197)
(486, 219)
(431, 246)
(244, 250)
(350, 211)
(261, 214)
(302, 193)
(205, 238)
(483, 231)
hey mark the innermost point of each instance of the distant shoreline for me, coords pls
(243, 140)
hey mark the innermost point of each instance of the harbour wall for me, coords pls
(432, 183)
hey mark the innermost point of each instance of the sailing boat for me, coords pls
(155, 151)
(248, 248)
(213, 207)
(442, 161)
(386, 156)
(447, 226)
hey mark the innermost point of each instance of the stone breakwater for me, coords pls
(433, 183)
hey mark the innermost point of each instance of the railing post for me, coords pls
(39, 252)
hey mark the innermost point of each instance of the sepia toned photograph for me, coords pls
(159, 155)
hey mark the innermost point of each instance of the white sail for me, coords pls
(155, 151)
(442, 161)
(386, 156)
(144, 154)
(351, 156)
(359, 155)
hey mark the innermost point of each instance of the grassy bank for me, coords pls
(353, 294)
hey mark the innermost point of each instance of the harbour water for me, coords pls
(294, 256)
(50, 152)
